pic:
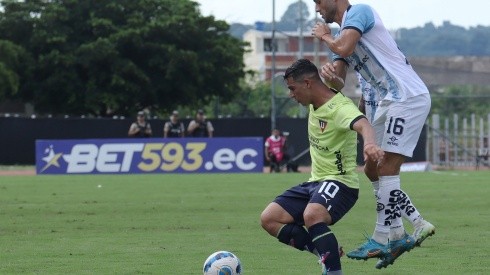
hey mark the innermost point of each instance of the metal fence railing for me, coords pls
(459, 141)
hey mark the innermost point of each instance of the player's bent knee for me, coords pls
(316, 213)
(265, 219)
(273, 217)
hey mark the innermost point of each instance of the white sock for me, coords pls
(387, 208)
(408, 210)
(397, 231)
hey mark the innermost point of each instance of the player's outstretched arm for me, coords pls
(371, 150)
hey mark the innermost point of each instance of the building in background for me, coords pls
(259, 57)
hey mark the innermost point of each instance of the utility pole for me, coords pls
(273, 67)
(300, 29)
(302, 110)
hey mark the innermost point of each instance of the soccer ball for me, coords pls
(222, 263)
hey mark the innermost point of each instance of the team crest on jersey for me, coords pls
(323, 125)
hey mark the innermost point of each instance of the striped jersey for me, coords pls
(377, 57)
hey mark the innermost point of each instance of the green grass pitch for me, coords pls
(169, 224)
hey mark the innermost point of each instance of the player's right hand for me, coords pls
(320, 29)
(373, 152)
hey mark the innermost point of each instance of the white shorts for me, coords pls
(398, 124)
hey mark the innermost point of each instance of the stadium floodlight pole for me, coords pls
(273, 67)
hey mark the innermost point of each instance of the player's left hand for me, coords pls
(328, 72)
(373, 152)
(320, 29)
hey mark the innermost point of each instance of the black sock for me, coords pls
(326, 244)
(296, 236)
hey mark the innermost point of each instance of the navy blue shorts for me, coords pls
(335, 196)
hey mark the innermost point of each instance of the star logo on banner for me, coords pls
(51, 158)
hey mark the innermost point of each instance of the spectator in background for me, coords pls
(174, 128)
(200, 127)
(140, 128)
(482, 154)
(275, 150)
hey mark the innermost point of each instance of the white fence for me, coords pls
(459, 141)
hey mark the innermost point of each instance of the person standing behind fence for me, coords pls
(140, 128)
(482, 154)
(174, 128)
(365, 44)
(275, 150)
(200, 127)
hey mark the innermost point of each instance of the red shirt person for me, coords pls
(275, 147)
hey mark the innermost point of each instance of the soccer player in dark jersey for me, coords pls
(302, 216)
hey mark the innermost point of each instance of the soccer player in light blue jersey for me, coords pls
(302, 215)
(365, 45)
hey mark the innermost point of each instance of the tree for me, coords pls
(13, 62)
(291, 17)
(480, 41)
(255, 101)
(464, 99)
(251, 101)
(445, 40)
(92, 56)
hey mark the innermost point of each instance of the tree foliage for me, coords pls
(121, 55)
(445, 40)
(465, 100)
(252, 101)
(256, 101)
(13, 67)
(291, 18)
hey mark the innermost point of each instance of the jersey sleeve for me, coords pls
(360, 18)
(347, 114)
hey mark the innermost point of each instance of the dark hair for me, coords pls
(300, 68)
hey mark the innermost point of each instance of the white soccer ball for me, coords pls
(222, 263)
